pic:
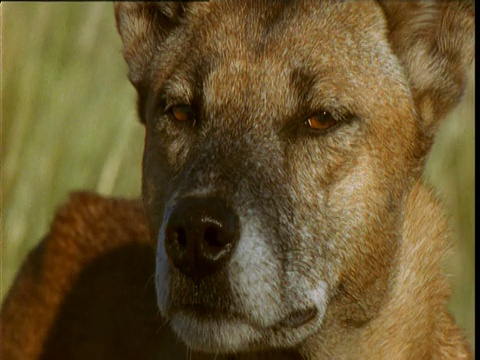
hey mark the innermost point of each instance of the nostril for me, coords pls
(181, 237)
(178, 236)
(212, 238)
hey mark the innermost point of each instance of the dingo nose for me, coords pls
(200, 235)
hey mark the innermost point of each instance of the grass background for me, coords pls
(69, 122)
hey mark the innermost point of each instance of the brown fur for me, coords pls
(342, 220)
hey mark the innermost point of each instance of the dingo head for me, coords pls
(281, 138)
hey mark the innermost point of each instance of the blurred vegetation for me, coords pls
(68, 122)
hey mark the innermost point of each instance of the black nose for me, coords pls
(200, 235)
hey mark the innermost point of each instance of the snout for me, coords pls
(200, 235)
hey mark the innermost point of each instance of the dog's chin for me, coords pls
(234, 334)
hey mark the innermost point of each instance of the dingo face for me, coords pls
(281, 140)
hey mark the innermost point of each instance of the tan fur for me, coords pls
(414, 322)
(57, 308)
(336, 224)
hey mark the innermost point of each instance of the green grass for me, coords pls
(69, 122)
(68, 115)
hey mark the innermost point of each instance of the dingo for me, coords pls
(285, 143)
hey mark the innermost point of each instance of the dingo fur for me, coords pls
(284, 214)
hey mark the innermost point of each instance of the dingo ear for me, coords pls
(435, 42)
(143, 27)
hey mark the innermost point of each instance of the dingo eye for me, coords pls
(321, 121)
(182, 113)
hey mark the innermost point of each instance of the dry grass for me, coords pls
(68, 123)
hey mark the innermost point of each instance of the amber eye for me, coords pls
(321, 121)
(182, 113)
